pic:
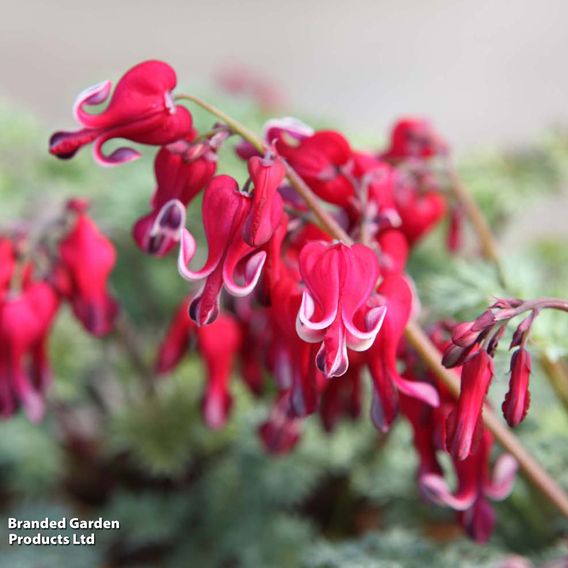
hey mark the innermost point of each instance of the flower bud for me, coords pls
(518, 398)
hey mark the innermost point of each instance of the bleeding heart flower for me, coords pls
(414, 138)
(141, 109)
(464, 423)
(324, 160)
(231, 261)
(87, 258)
(419, 210)
(266, 209)
(25, 320)
(334, 310)
(395, 295)
(281, 432)
(475, 486)
(218, 344)
(178, 178)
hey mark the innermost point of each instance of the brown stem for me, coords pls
(415, 335)
(530, 467)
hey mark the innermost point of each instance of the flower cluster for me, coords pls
(67, 260)
(434, 432)
(277, 296)
(472, 347)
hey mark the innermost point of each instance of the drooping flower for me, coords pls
(266, 208)
(141, 109)
(178, 176)
(464, 423)
(87, 258)
(419, 210)
(339, 281)
(281, 432)
(324, 160)
(176, 342)
(25, 320)
(476, 485)
(231, 262)
(414, 138)
(218, 344)
(518, 398)
(395, 296)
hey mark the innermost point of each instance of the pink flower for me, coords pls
(141, 109)
(178, 177)
(476, 485)
(87, 258)
(518, 398)
(464, 423)
(414, 138)
(25, 320)
(395, 296)
(231, 261)
(218, 344)
(281, 432)
(266, 209)
(334, 310)
(324, 160)
(419, 210)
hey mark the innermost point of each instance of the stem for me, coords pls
(530, 467)
(414, 334)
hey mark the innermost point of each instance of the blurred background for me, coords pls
(487, 73)
(490, 75)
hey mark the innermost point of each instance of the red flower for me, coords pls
(230, 258)
(175, 344)
(86, 260)
(141, 110)
(288, 128)
(324, 161)
(475, 486)
(518, 398)
(281, 432)
(266, 208)
(395, 295)
(419, 210)
(293, 360)
(464, 423)
(414, 138)
(218, 344)
(178, 177)
(25, 320)
(334, 310)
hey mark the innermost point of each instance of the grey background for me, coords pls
(487, 72)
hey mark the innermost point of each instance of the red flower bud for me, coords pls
(463, 422)
(518, 398)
